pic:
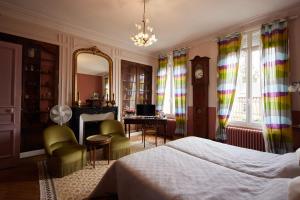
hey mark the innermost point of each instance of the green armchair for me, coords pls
(64, 152)
(120, 144)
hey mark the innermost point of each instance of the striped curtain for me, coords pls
(180, 83)
(161, 81)
(228, 64)
(277, 100)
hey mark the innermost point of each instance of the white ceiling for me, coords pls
(92, 65)
(174, 21)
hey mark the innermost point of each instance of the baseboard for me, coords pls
(32, 153)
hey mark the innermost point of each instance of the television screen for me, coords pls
(145, 110)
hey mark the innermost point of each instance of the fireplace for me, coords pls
(84, 118)
(91, 127)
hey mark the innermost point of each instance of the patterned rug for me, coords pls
(80, 184)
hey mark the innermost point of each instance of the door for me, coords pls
(10, 103)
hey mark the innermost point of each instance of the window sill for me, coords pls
(246, 125)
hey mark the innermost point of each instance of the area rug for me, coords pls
(79, 184)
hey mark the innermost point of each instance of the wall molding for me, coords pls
(292, 12)
(41, 19)
(32, 153)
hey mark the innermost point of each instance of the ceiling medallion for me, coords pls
(145, 36)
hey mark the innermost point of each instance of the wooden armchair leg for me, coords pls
(156, 136)
(144, 138)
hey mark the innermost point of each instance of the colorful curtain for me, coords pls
(277, 100)
(180, 83)
(228, 64)
(161, 81)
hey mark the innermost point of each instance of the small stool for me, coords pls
(95, 141)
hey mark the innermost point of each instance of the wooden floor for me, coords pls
(22, 182)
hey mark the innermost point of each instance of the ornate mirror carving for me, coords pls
(92, 77)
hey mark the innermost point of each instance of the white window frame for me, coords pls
(249, 48)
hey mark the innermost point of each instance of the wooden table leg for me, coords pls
(108, 156)
(144, 135)
(90, 149)
(94, 156)
(156, 132)
(129, 130)
(165, 133)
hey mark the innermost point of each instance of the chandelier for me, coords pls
(145, 36)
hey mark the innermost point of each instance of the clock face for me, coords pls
(199, 73)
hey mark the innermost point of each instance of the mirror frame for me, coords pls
(95, 51)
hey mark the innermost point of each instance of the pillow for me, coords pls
(293, 189)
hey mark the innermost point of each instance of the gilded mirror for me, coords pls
(92, 77)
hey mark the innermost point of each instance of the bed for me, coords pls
(249, 161)
(173, 172)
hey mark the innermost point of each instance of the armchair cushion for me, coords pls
(112, 127)
(120, 144)
(69, 153)
(64, 152)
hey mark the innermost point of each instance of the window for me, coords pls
(247, 106)
(169, 99)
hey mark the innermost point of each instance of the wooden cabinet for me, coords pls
(136, 85)
(39, 92)
(39, 88)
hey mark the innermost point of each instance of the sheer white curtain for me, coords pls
(169, 99)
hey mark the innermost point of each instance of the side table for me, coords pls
(95, 141)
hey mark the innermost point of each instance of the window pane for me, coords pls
(240, 102)
(256, 114)
(244, 42)
(256, 38)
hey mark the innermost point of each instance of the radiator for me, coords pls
(245, 137)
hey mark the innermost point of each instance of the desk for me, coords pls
(145, 121)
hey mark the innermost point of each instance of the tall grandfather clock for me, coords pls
(200, 81)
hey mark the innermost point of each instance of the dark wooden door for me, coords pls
(10, 103)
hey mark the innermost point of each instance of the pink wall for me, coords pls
(87, 84)
(210, 49)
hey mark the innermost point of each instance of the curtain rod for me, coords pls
(282, 19)
(289, 18)
(182, 48)
(166, 53)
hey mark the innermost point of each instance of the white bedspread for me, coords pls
(252, 162)
(165, 173)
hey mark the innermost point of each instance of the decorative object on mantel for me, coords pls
(294, 87)
(113, 102)
(145, 36)
(78, 102)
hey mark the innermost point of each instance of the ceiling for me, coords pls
(174, 21)
(92, 64)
